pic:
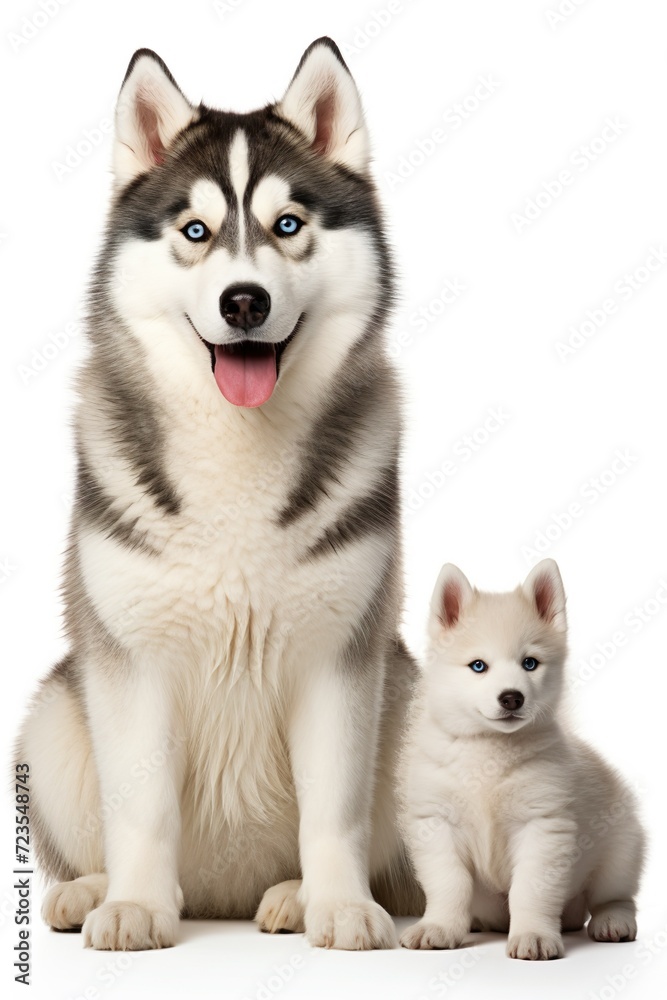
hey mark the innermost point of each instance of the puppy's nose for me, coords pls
(245, 306)
(511, 700)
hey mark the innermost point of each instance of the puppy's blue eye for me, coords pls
(478, 666)
(530, 663)
(196, 231)
(287, 225)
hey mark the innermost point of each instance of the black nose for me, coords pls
(245, 306)
(511, 700)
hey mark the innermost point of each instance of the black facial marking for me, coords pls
(175, 209)
(336, 195)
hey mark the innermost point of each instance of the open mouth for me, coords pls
(246, 371)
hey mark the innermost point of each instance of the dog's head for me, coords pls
(234, 236)
(495, 661)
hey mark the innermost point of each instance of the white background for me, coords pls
(454, 217)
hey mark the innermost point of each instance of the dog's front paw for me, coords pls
(533, 947)
(613, 923)
(427, 934)
(353, 925)
(67, 904)
(281, 910)
(120, 926)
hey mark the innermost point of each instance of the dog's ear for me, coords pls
(323, 102)
(544, 588)
(150, 113)
(451, 596)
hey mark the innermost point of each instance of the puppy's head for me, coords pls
(496, 660)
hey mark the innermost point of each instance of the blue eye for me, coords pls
(478, 666)
(530, 663)
(196, 231)
(287, 225)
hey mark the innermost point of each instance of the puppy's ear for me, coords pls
(544, 588)
(323, 102)
(451, 597)
(150, 113)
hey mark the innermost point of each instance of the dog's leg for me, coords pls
(611, 895)
(543, 854)
(65, 808)
(448, 885)
(393, 881)
(67, 904)
(333, 744)
(139, 765)
(281, 910)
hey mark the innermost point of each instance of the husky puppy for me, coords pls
(227, 717)
(511, 822)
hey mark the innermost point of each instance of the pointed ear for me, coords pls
(544, 587)
(151, 111)
(451, 596)
(323, 102)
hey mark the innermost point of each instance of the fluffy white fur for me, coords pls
(324, 104)
(512, 823)
(150, 111)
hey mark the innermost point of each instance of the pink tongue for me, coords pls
(244, 378)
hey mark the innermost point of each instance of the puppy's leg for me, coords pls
(333, 744)
(281, 910)
(543, 856)
(611, 895)
(448, 885)
(139, 765)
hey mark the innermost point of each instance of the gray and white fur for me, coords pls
(225, 723)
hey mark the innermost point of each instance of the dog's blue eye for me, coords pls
(287, 225)
(478, 666)
(196, 231)
(530, 663)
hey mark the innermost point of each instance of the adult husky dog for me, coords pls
(227, 717)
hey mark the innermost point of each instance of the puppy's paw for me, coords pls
(280, 910)
(613, 923)
(533, 947)
(426, 934)
(67, 904)
(121, 926)
(353, 925)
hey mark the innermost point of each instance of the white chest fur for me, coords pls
(228, 609)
